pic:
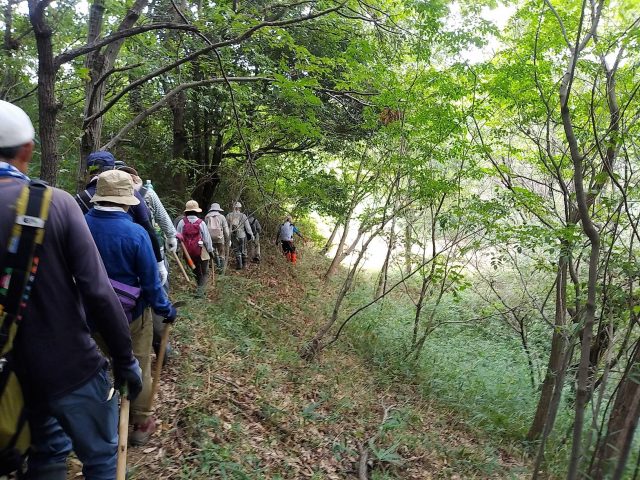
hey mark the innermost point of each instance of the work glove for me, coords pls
(172, 244)
(171, 316)
(131, 375)
(162, 270)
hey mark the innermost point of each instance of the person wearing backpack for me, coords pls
(240, 228)
(128, 258)
(219, 232)
(98, 162)
(69, 401)
(254, 245)
(197, 241)
(166, 234)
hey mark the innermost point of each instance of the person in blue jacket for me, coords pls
(128, 258)
(98, 162)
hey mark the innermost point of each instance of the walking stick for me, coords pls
(123, 433)
(184, 272)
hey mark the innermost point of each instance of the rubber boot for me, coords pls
(54, 471)
(219, 264)
(294, 258)
(288, 256)
(238, 262)
(245, 264)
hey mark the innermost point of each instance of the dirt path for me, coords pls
(239, 403)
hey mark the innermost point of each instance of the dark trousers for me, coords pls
(201, 271)
(83, 421)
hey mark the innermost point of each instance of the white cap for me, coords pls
(238, 205)
(16, 128)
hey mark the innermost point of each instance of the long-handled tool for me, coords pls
(192, 265)
(213, 273)
(123, 433)
(164, 340)
(184, 272)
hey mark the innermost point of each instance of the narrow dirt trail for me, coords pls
(237, 402)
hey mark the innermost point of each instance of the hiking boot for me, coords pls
(238, 262)
(142, 432)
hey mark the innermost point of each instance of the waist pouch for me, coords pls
(128, 297)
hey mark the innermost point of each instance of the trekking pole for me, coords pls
(184, 272)
(123, 433)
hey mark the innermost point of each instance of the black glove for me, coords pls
(171, 316)
(131, 375)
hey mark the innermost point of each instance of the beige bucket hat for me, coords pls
(215, 207)
(192, 206)
(116, 187)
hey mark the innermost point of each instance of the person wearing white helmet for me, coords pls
(240, 228)
(219, 232)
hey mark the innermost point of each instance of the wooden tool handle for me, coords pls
(184, 272)
(192, 265)
(159, 360)
(123, 435)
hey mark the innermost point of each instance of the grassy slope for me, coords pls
(239, 403)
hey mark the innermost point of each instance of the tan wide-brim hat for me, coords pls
(192, 206)
(115, 186)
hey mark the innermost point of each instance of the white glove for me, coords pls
(162, 269)
(172, 244)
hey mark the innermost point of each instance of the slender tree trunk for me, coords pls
(331, 239)
(614, 448)
(408, 243)
(339, 256)
(558, 346)
(48, 108)
(384, 272)
(100, 62)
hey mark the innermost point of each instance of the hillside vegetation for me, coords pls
(238, 402)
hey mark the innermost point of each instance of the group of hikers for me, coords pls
(83, 280)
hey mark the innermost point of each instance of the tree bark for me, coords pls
(100, 62)
(47, 105)
(614, 448)
(558, 346)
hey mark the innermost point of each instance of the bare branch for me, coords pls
(69, 55)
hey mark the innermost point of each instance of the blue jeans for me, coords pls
(83, 421)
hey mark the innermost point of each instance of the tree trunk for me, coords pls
(558, 346)
(384, 272)
(614, 448)
(408, 235)
(331, 239)
(338, 257)
(100, 62)
(48, 108)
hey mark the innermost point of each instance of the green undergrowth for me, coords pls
(250, 407)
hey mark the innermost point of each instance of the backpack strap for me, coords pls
(84, 200)
(19, 265)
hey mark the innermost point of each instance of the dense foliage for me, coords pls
(503, 185)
